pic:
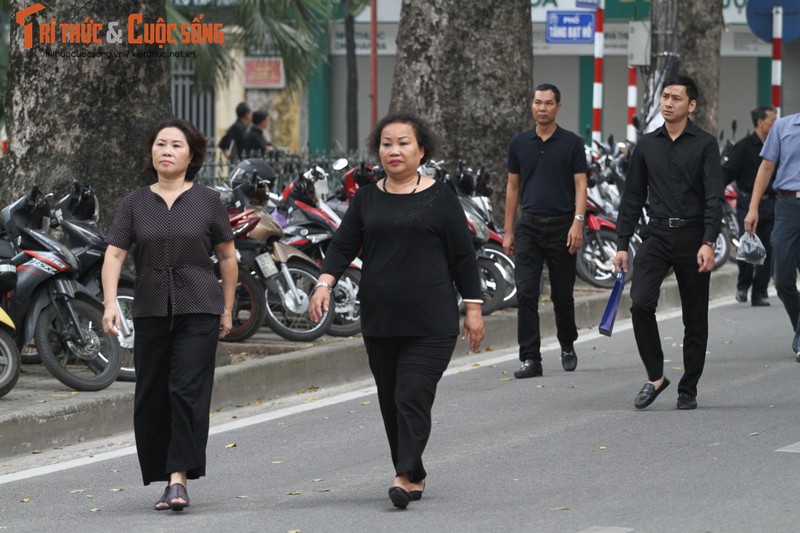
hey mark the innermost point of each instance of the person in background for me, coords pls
(782, 151)
(232, 143)
(741, 167)
(676, 169)
(416, 246)
(180, 310)
(547, 176)
(254, 143)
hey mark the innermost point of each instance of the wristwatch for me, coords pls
(710, 245)
(580, 218)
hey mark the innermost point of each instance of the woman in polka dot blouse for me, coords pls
(180, 310)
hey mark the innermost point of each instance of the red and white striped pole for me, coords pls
(777, 53)
(632, 102)
(597, 87)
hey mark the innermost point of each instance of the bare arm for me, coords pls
(575, 235)
(764, 174)
(229, 270)
(512, 203)
(112, 268)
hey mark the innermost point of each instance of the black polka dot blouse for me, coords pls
(172, 249)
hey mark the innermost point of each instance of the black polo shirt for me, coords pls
(547, 170)
(743, 162)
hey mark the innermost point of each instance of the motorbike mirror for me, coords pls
(339, 164)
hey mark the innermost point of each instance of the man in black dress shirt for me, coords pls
(741, 167)
(254, 143)
(676, 168)
(547, 175)
(232, 143)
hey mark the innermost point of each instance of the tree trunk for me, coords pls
(700, 25)
(352, 77)
(82, 118)
(467, 68)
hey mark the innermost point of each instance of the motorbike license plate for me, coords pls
(267, 265)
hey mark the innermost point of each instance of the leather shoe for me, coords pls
(759, 302)
(529, 369)
(741, 296)
(648, 394)
(569, 360)
(400, 497)
(686, 402)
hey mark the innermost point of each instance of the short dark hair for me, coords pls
(242, 109)
(426, 139)
(687, 82)
(259, 116)
(548, 87)
(760, 113)
(194, 138)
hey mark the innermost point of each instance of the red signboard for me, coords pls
(264, 73)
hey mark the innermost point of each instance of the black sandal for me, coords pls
(162, 500)
(175, 491)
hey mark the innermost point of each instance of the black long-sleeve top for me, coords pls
(679, 179)
(415, 246)
(743, 162)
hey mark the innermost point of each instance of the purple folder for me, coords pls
(610, 314)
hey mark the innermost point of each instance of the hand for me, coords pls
(621, 262)
(473, 326)
(751, 221)
(319, 304)
(508, 243)
(111, 323)
(705, 258)
(575, 237)
(225, 324)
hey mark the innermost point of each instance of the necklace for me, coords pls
(385, 180)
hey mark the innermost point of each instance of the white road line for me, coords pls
(501, 356)
(792, 448)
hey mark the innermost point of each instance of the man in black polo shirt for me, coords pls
(676, 168)
(742, 166)
(547, 175)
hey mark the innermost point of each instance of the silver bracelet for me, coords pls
(323, 284)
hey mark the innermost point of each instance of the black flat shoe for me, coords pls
(163, 500)
(174, 492)
(686, 402)
(529, 369)
(400, 497)
(741, 296)
(759, 302)
(648, 394)
(416, 495)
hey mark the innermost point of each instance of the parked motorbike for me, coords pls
(10, 358)
(287, 274)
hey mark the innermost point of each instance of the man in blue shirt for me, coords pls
(782, 150)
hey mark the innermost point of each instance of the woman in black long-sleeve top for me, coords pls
(416, 245)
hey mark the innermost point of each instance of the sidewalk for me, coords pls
(41, 413)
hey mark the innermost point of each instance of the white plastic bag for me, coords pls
(751, 249)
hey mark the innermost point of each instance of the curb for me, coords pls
(101, 414)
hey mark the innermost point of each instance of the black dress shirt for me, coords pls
(679, 179)
(172, 250)
(743, 162)
(415, 246)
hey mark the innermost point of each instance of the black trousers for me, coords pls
(677, 248)
(537, 242)
(406, 371)
(756, 276)
(174, 378)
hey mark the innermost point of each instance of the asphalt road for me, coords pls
(565, 452)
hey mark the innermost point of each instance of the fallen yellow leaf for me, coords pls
(94, 509)
(117, 490)
(243, 497)
(506, 379)
(753, 434)
(277, 462)
(25, 499)
(560, 509)
(77, 491)
(293, 493)
(316, 480)
(36, 451)
(365, 403)
(476, 364)
(602, 447)
(231, 445)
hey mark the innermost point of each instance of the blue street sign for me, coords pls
(588, 4)
(759, 18)
(570, 27)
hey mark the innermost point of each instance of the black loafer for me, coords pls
(529, 369)
(741, 296)
(400, 497)
(416, 495)
(648, 394)
(759, 302)
(569, 360)
(686, 402)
